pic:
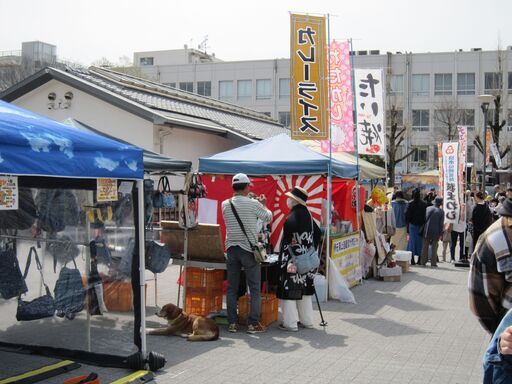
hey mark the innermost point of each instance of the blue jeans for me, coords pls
(238, 258)
(415, 240)
(498, 367)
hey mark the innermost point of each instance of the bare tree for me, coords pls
(448, 116)
(395, 136)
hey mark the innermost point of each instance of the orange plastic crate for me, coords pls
(269, 308)
(203, 290)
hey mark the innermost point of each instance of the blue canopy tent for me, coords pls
(43, 153)
(278, 155)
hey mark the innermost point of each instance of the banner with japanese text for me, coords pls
(451, 200)
(340, 90)
(463, 148)
(309, 82)
(371, 133)
(488, 141)
(440, 165)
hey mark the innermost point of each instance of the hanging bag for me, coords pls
(103, 255)
(12, 283)
(307, 261)
(157, 256)
(95, 302)
(258, 249)
(69, 292)
(41, 307)
(168, 198)
(196, 189)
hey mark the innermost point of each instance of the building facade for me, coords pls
(433, 92)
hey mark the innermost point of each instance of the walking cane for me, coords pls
(323, 323)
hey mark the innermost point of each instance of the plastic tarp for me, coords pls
(153, 162)
(367, 170)
(278, 155)
(35, 145)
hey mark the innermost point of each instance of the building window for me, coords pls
(263, 89)
(465, 83)
(467, 118)
(146, 61)
(226, 90)
(244, 90)
(204, 88)
(187, 86)
(266, 113)
(471, 154)
(509, 121)
(284, 118)
(284, 88)
(172, 85)
(421, 85)
(396, 84)
(420, 119)
(420, 157)
(492, 81)
(442, 84)
(510, 82)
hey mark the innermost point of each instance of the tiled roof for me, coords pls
(183, 106)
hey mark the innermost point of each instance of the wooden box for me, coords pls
(269, 309)
(204, 241)
(391, 278)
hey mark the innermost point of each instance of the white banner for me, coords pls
(451, 200)
(371, 131)
(496, 154)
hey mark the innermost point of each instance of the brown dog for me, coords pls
(193, 327)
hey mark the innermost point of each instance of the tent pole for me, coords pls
(142, 266)
(329, 176)
(185, 261)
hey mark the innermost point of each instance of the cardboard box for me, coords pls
(204, 241)
(403, 255)
(391, 278)
(404, 265)
(395, 271)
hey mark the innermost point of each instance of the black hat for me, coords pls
(506, 208)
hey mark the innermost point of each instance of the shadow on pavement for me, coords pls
(384, 327)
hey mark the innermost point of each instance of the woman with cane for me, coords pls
(295, 290)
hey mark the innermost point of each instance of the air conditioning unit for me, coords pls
(476, 49)
(374, 52)
(362, 53)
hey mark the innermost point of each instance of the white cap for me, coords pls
(240, 178)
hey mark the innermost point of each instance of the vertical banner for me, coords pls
(309, 97)
(340, 90)
(441, 171)
(371, 133)
(488, 141)
(496, 154)
(451, 201)
(345, 254)
(463, 150)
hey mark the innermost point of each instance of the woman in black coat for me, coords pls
(295, 291)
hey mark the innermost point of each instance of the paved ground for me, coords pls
(419, 330)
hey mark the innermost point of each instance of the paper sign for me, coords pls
(345, 254)
(451, 200)
(208, 211)
(8, 193)
(106, 190)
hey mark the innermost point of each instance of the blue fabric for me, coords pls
(35, 145)
(278, 155)
(399, 208)
(498, 367)
(415, 241)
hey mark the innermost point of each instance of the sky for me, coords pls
(87, 31)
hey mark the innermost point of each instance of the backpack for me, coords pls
(69, 292)
(12, 283)
(24, 216)
(57, 208)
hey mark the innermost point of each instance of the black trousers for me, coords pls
(453, 244)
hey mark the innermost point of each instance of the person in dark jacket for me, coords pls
(415, 217)
(481, 218)
(300, 232)
(432, 231)
(399, 205)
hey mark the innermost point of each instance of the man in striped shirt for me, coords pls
(239, 249)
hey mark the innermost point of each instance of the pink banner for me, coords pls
(342, 121)
(463, 148)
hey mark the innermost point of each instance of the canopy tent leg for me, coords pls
(141, 235)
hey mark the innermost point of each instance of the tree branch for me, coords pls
(406, 156)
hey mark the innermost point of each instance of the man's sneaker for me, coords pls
(288, 329)
(256, 328)
(309, 326)
(233, 328)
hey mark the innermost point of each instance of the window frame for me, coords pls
(421, 128)
(143, 61)
(187, 83)
(466, 90)
(267, 87)
(497, 80)
(287, 94)
(203, 83)
(221, 88)
(238, 88)
(287, 121)
(423, 92)
(443, 90)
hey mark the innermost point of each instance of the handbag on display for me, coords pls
(43, 306)
(196, 189)
(163, 197)
(103, 255)
(308, 260)
(62, 248)
(69, 292)
(258, 249)
(12, 283)
(157, 256)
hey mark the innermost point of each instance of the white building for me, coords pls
(429, 89)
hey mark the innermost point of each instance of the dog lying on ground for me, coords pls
(180, 323)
